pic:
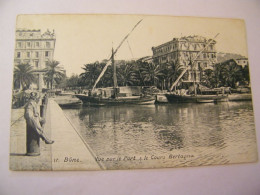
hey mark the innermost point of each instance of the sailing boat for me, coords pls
(181, 96)
(115, 95)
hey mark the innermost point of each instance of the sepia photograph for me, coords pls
(112, 92)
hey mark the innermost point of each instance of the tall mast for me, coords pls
(194, 80)
(114, 69)
(112, 56)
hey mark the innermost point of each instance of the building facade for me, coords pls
(182, 51)
(36, 49)
(242, 62)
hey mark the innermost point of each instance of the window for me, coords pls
(204, 55)
(28, 54)
(48, 45)
(18, 54)
(46, 53)
(19, 45)
(36, 64)
(37, 44)
(211, 47)
(36, 54)
(28, 44)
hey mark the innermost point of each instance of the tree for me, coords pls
(126, 74)
(137, 68)
(169, 74)
(54, 73)
(207, 77)
(231, 74)
(91, 73)
(245, 72)
(151, 73)
(24, 75)
(107, 79)
(227, 74)
(217, 75)
(72, 81)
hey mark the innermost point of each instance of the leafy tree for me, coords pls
(169, 74)
(107, 79)
(72, 81)
(137, 68)
(126, 74)
(207, 77)
(54, 73)
(231, 74)
(227, 73)
(152, 73)
(245, 72)
(24, 75)
(91, 73)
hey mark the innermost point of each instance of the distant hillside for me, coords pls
(221, 57)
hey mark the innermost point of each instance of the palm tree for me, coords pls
(126, 74)
(91, 73)
(151, 73)
(138, 68)
(107, 79)
(217, 75)
(207, 77)
(231, 74)
(24, 75)
(245, 72)
(169, 74)
(54, 73)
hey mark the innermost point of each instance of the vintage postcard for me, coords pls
(100, 92)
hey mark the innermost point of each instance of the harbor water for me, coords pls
(170, 135)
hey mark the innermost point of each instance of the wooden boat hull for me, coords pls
(205, 101)
(240, 97)
(161, 99)
(173, 98)
(70, 104)
(90, 100)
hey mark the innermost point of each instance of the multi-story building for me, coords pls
(182, 51)
(36, 49)
(242, 62)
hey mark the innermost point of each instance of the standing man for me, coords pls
(33, 119)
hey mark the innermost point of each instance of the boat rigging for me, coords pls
(111, 59)
(192, 61)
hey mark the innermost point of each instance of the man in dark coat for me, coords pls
(33, 119)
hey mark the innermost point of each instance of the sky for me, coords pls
(82, 39)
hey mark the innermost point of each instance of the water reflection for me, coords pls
(199, 128)
(170, 139)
